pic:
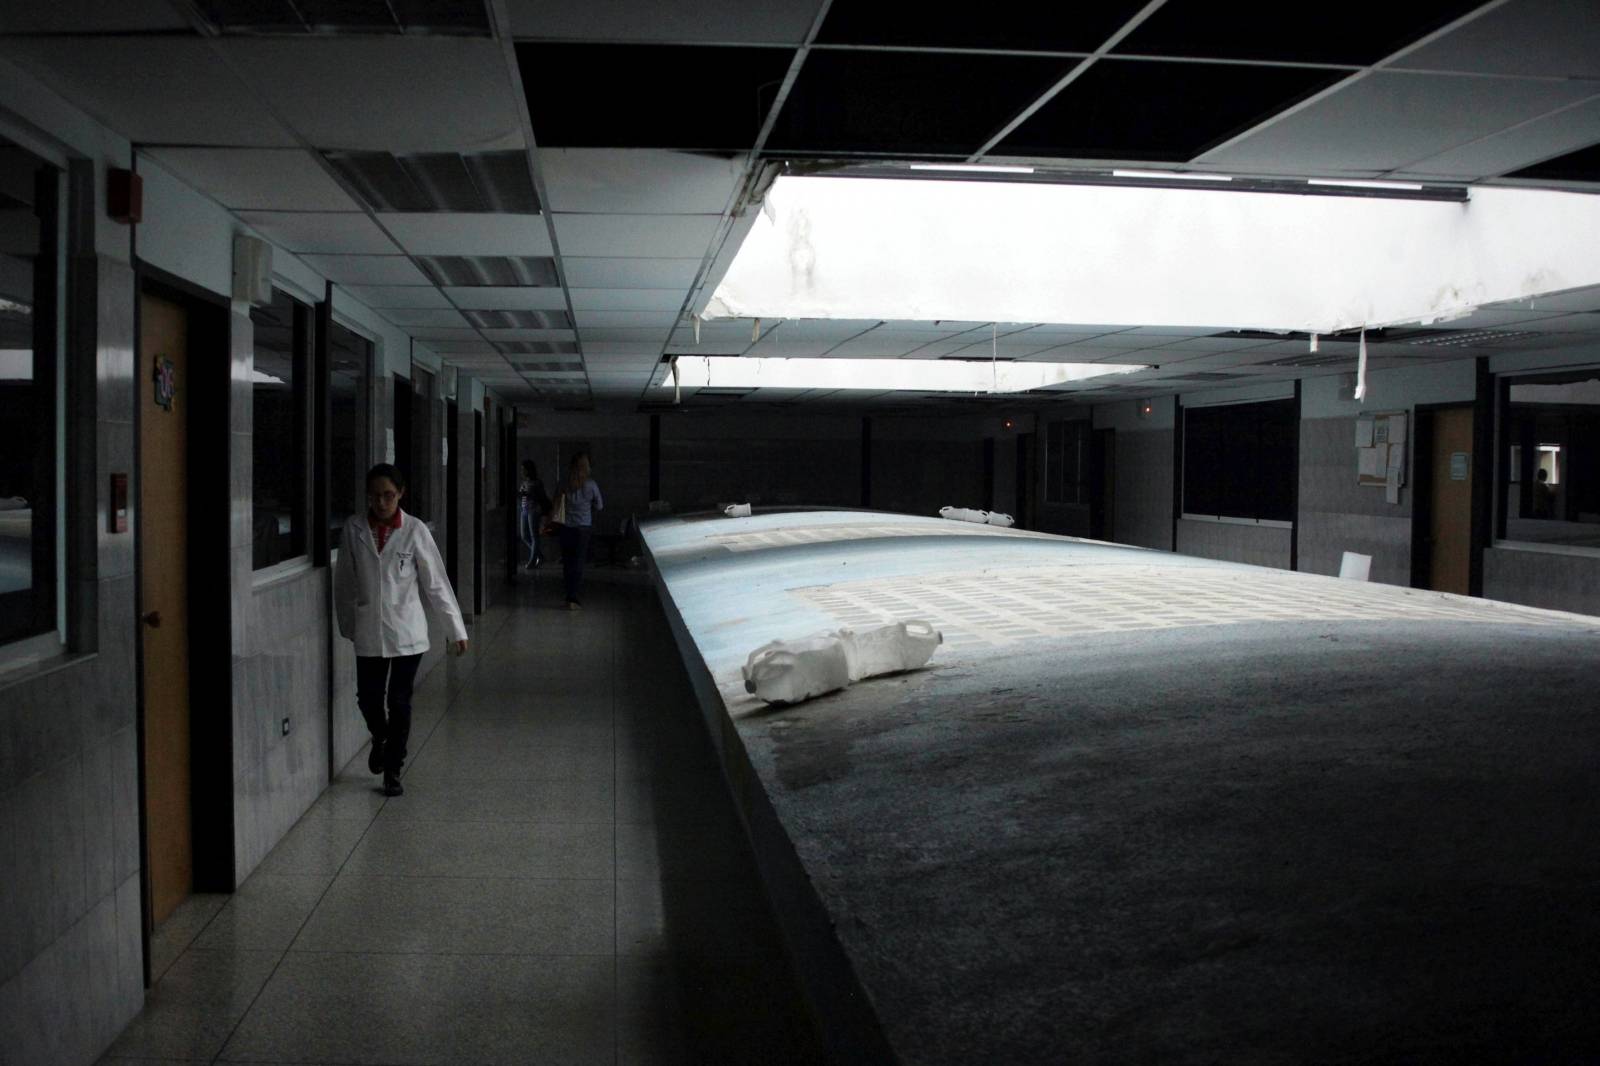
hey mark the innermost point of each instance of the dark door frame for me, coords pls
(209, 558)
(477, 512)
(1102, 488)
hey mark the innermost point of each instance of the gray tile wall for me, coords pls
(71, 959)
(1543, 579)
(1235, 543)
(1337, 515)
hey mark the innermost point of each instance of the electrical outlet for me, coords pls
(286, 727)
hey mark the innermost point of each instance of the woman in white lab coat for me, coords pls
(388, 562)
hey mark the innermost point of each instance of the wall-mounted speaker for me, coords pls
(252, 270)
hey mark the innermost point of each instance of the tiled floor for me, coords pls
(564, 881)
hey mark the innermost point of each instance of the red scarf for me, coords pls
(381, 529)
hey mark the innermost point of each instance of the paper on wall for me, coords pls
(1396, 469)
(388, 446)
(1364, 431)
(1370, 462)
(1391, 489)
(1397, 429)
(1380, 431)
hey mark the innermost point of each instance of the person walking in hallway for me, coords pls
(532, 504)
(388, 562)
(581, 500)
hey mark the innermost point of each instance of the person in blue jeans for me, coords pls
(533, 504)
(582, 499)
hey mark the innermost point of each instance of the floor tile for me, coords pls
(530, 799)
(695, 919)
(646, 852)
(485, 916)
(266, 912)
(191, 1010)
(416, 848)
(433, 1009)
(592, 756)
(316, 846)
(173, 936)
(675, 1011)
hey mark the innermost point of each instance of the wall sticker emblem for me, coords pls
(166, 379)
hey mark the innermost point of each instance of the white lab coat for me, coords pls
(376, 596)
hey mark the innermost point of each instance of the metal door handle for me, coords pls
(153, 619)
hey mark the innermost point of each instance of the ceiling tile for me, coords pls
(699, 98)
(1155, 111)
(344, 234)
(366, 269)
(1527, 145)
(626, 299)
(885, 342)
(527, 334)
(1386, 121)
(444, 233)
(365, 93)
(836, 329)
(638, 181)
(721, 337)
(654, 336)
(1356, 32)
(732, 21)
(497, 298)
(907, 103)
(1008, 24)
(462, 347)
(442, 333)
(636, 236)
(119, 81)
(257, 178)
(1572, 300)
(380, 297)
(625, 319)
(1581, 165)
(92, 16)
(1540, 38)
(424, 317)
(618, 350)
(589, 272)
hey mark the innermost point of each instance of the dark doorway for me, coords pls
(1025, 476)
(479, 501)
(1442, 530)
(1103, 484)
(988, 473)
(452, 495)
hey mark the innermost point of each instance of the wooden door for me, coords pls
(1450, 501)
(163, 582)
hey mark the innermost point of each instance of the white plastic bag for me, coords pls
(789, 671)
(963, 514)
(995, 518)
(737, 510)
(889, 649)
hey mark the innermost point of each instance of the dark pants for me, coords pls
(373, 675)
(574, 547)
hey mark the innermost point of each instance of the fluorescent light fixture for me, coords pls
(972, 168)
(1168, 175)
(1399, 186)
(919, 249)
(880, 375)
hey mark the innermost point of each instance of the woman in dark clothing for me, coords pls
(582, 501)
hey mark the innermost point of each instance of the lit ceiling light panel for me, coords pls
(922, 249)
(881, 375)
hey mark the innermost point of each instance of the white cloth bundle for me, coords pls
(791, 671)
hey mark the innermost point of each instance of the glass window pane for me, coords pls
(349, 432)
(1550, 483)
(28, 407)
(278, 412)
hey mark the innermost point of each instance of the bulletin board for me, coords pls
(1381, 439)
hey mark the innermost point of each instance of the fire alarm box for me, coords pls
(117, 506)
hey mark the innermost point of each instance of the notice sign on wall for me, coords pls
(1381, 452)
(1459, 465)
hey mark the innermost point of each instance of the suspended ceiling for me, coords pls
(539, 190)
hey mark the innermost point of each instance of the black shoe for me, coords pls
(375, 756)
(392, 785)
